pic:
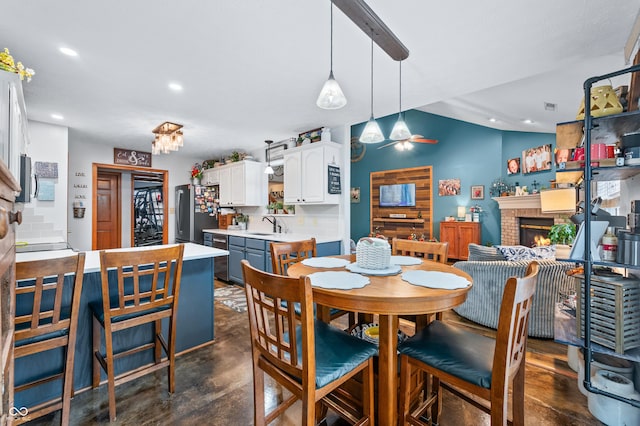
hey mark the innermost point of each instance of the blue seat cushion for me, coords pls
(466, 355)
(37, 339)
(98, 311)
(337, 353)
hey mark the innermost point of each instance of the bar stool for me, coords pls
(138, 287)
(51, 323)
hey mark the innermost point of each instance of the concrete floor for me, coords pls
(214, 387)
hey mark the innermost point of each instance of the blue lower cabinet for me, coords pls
(331, 248)
(236, 254)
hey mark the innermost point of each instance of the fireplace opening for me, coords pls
(534, 231)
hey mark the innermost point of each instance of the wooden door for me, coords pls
(107, 222)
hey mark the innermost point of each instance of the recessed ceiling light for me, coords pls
(493, 120)
(527, 121)
(57, 116)
(175, 87)
(68, 52)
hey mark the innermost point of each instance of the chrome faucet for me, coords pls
(271, 221)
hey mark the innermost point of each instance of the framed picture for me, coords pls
(513, 166)
(355, 195)
(562, 155)
(477, 192)
(448, 187)
(536, 159)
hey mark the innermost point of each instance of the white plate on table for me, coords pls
(340, 280)
(325, 262)
(435, 279)
(391, 270)
(405, 260)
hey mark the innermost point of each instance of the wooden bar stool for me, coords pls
(138, 287)
(52, 323)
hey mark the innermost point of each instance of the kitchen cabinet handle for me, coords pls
(16, 217)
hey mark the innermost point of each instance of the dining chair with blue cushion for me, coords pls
(320, 365)
(52, 289)
(285, 254)
(138, 287)
(466, 363)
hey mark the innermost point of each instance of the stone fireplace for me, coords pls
(514, 210)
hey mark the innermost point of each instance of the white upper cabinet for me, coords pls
(211, 176)
(14, 135)
(242, 184)
(306, 175)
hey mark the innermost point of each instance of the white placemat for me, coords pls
(435, 279)
(325, 262)
(340, 280)
(391, 270)
(405, 260)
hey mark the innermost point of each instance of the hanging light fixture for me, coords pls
(268, 170)
(400, 130)
(371, 132)
(168, 138)
(331, 96)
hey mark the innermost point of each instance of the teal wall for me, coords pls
(477, 155)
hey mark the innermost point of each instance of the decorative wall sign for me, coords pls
(46, 190)
(449, 187)
(131, 158)
(46, 170)
(333, 177)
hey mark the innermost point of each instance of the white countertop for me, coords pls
(92, 260)
(274, 236)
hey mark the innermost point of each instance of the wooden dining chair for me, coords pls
(52, 288)
(466, 363)
(435, 251)
(284, 254)
(313, 360)
(430, 250)
(138, 287)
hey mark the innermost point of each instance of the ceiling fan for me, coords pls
(406, 144)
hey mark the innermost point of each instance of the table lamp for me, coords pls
(461, 212)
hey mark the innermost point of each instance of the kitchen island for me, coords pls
(194, 323)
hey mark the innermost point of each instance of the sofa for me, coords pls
(490, 271)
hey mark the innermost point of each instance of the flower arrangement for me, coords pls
(7, 64)
(475, 209)
(196, 171)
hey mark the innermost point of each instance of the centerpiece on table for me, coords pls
(8, 64)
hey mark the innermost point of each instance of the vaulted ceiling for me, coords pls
(251, 70)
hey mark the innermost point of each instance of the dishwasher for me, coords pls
(220, 263)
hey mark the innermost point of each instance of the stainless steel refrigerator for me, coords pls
(196, 209)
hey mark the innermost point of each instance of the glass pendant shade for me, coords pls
(331, 96)
(268, 170)
(400, 130)
(371, 132)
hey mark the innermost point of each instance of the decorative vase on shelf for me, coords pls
(196, 181)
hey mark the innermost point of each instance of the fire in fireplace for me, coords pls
(534, 231)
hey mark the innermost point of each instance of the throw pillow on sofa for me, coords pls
(515, 253)
(480, 253)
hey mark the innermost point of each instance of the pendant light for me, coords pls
(331, 96)
(371, 132)
(400, 130)
(268, 170)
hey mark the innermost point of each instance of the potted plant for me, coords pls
(279, 208)
(562, 235)
(290, 209)
(235, 156)
(242, 220)
(271, 208)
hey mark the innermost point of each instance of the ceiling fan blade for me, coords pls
(422, 140)
(389, 144)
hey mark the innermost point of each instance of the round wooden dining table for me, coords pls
(388, 296)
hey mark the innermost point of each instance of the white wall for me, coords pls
(82, 155)
(46, 221)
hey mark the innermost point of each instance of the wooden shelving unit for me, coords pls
(397, 220)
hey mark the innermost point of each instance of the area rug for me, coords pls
(232, 296)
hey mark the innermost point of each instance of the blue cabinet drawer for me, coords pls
(208, 238)
(236, 241)
(255, 243)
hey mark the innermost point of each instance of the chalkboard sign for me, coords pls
(131, 158)
(334, 180)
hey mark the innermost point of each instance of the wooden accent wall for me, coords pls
(402, 228)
